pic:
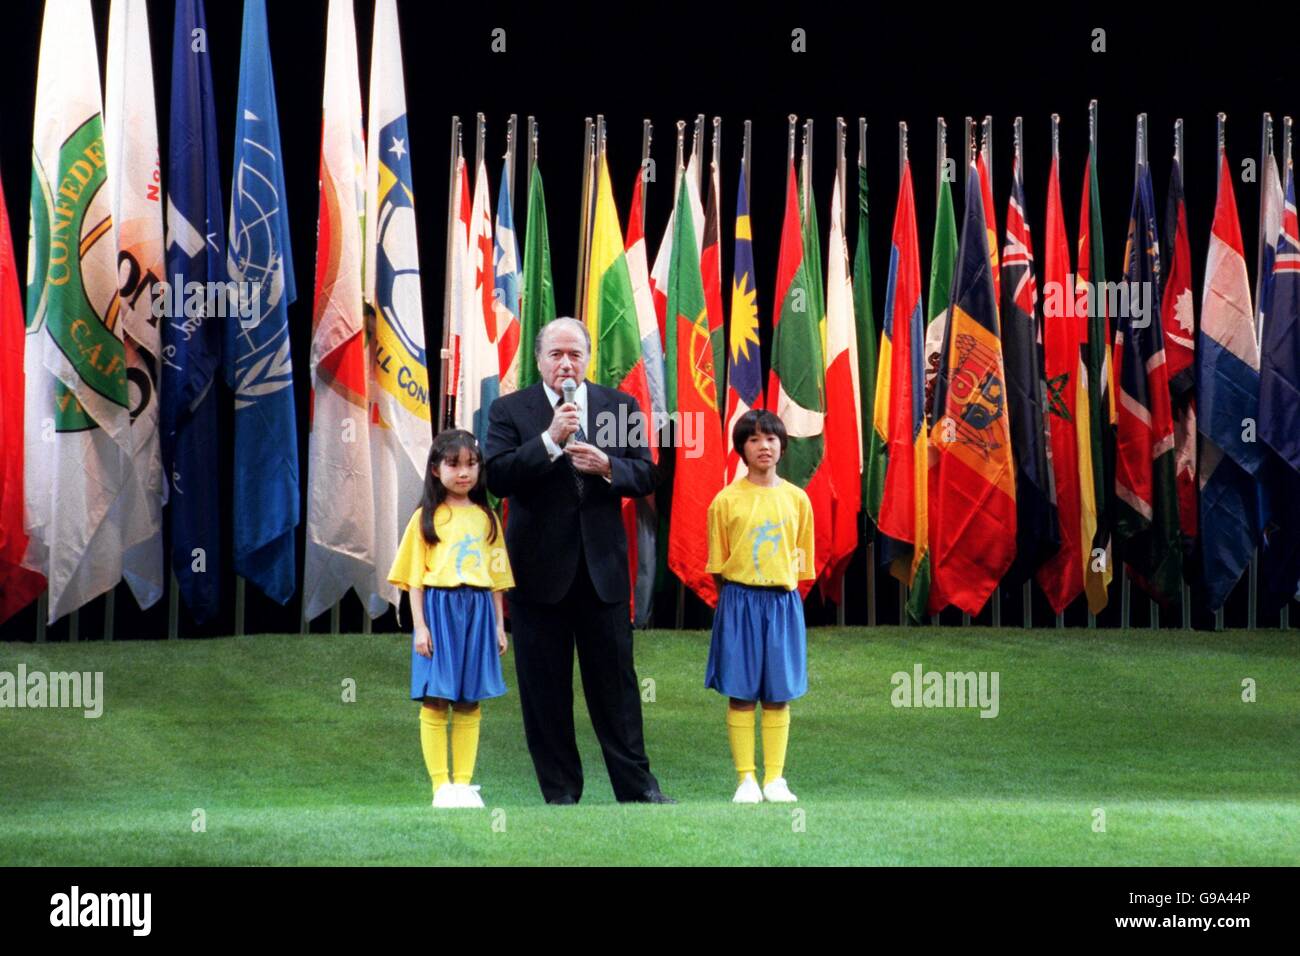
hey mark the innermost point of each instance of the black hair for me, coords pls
(447, 446)
(757, 421)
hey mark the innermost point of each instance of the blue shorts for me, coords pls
(759, 649)
(465, 665)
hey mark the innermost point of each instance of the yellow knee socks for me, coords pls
(464, 743)
(433, 741)
(776, 734)
(740, 732)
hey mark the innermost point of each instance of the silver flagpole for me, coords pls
(1178, 158)
(1284, 620)
(1092, 149)
(902, 164)
(871, 544)
(1220, 145)
(1265, 154)
(990, 216)
(841, 135)
(445, 356)
(940, 159)
(588, 146)
(1056, 158)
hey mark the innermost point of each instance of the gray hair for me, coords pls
(568, 320)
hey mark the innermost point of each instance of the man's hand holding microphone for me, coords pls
(586, 458)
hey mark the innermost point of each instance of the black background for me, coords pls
(635, 61)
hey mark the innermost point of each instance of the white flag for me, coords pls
(78, 441)
(135, 194)
(400, 431)
(480, 369)
(340, 502)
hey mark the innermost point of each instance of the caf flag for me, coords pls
(82, 496)
(1179, 322)
(698, 473)
(258, 366)
(1146, 502)
(192, 345)
(902, 498)
(1037, 529)
(973, 487)
(340, 540)
(1279, 413)
(1228, 393)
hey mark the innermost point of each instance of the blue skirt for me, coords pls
(759, 649)
(465, 665)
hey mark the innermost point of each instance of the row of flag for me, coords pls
(1010, 431)
(1007, 430)
(143, 294)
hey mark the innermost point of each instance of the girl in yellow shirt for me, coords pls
(453, 561)
(760, 548)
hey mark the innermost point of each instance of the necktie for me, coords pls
(578, 482)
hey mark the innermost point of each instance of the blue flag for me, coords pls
(191, 334)
(257, 363)
(1279, 413)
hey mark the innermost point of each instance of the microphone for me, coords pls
(569, 388)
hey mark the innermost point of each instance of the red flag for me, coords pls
(19, 586)
(1178, 319)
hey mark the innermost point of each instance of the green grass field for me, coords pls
(1149, 727)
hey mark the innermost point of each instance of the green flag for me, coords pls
(943, 261)
(538, 305)
(873, 459)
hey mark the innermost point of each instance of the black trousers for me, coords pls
(544, 639)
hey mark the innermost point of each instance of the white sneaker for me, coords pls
(446, 796)
(778, 791)
(469, 797)
(748, 791)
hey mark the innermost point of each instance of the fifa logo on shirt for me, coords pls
(766, 533)
(465, 549)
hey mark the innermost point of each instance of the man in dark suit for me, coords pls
(568, 551)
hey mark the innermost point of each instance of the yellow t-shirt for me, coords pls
(761, 536)
(461, 556)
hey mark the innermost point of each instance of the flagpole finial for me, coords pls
(1221, 132)
(1286, 142)
(862, 141)
(1092, 125)
(902, 147)
(1178, 144)
(1056, 135)
(792, 122)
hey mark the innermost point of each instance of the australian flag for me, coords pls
(1038, 534)
(191, 334)
(257, 364)
(1279, 413)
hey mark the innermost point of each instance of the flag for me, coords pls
(19, 586)
(1179, 323)
(192, 335)
(1146, 502)
(537, 294)
(1063, 576)
(990, 220)
(744, 363)
(796, 388)
(943, 260)
(973, 539)
(401, 419)
(258, 368)
(659, 276)
(340, 499)
(643, 539)
(78, 480)
(1279, 412)
(873, 475)
(711, 270)
(479, 379)
(135, 193)
(506, 289)
(1270, 229)
(698, 475)
(614, 324)
(1038, 534)
(1227, 391)
(1097, 447)
(902, 502)
(843, 417)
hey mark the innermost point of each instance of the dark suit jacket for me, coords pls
(547, 522)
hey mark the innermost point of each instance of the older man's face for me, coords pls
(564, 355)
